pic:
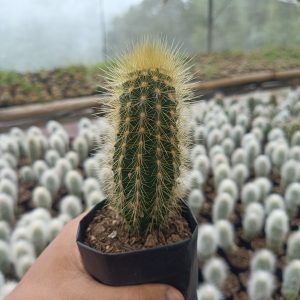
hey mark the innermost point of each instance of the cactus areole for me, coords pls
(146, 106)
(146, 156)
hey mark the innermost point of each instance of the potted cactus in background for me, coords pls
(144, 232)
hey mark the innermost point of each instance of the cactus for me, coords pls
(8, 187)
(23, 264)
(277, 228)
(253, 221)
(280, 154)
(237, 134)
(93, 198)
(295, 153)
(216, 150)
(73, 159)
(295, 141)
(291, 281)
(20, 233)
(10, 174)
(3, 163)
(27, 175)
(6, 208)
(208, 292)
(53, 126)
(200, 135)
(2, 280)
(90, 185)
(11, 146)
(292, 198)
(55, 227)
(223, 207)
(293, 246)
(38, 232)
(275, 134)
(265, 186)
(62, 167)
(40, 213)
(4, 257)
(89, 166)
(70, 205)
(207, 241)
(202, 164)
(58, 144)
(215, 137)
(230, 187)
(4, 230)
(39, 167)
(7, 289)
(215, 272)
(242, 120)
(50, 180)
(221, 172)
(225, 235)
(80, 145)
(239, 157)
(218, 159)
(41, 197)
(21, 248)
(195, 201)
(73, 182)
(51, 157)
(34, 147)
(64, 218)
(252, 149)
(239, 174)
(195, 180)
(272, 202)
(250, 193)
(260, 285)
(84, 123)
(263, 260)
(289, 173)
(228, 146)
(12, 160)
(227, 129)
(262, 166)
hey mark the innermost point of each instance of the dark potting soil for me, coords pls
(110, 234)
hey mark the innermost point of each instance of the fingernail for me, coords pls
(173, 294)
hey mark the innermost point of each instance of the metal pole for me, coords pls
(210, 26)
(103, 30)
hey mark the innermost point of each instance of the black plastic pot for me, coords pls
(175, 264)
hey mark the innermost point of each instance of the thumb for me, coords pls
(137, 292)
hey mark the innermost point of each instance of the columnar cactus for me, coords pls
(89, 166)
(80, 145)
(215, 271)
(10, 188)
(263, 260)
(50, 180)
(250, 193)
(71, 205)
(262, 166)
(289, 173)
(6, 208)
(230, 187)
(291, 281)
(293, 246)
(39, 167)
(292, 198)
(62, 167)
(221, 172)
(261, 285)
(208, 292)
(195, 201)
(202, 164)
(90, 185)
(51, 157)
(20, 248)
(58, 144)
(34, 147)
(239, 174)
(41, 197)
(27, 175)
(4, 257)
(23, 264)
(225, 235)
(38, 231)
(272, 202)
(73, 182)
(148, 92)
(4, 230)
(207, 241)
(9, 174)
(73, 159)
(93, 198)
(223, 207)
(239, 157)
(277, 228)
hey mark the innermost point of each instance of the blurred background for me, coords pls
(53, 49)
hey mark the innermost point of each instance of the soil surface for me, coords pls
(109, 233)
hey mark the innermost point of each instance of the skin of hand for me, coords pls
(58, 274)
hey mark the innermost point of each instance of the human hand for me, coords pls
(59, 274)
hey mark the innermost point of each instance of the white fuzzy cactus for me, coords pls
(10, 174)
(208, 292)
(293, 246)
(230, 187)
(71, 205)
(215, 137)
(262, 166)
(228, 146)
(195, 152)
(2, 282)
(90, 185)
(239, 157)
(3, 163)
(275, 134)
(272, 202)
(21, 248)
(74, 182)
(207, 241)
(252, 149)
(41, 197)
(202, 164)
(23, 264)
(57, 143)
(250, 193)
(260, 285)
(4, 230)
(20, 233)
(6, 208)
(253, 221)
(295, 141)
(290, 288)
(195, 180)
(40, 213)
(84, 123)
(290, 172)
(237, 134)
(62, 167)
(53, 126)
(280, 154)
(239, 174)
(38, 231)
(295, 153)
(12, 161)
(221, 172)
(55, 227)
(73, 158)
(276, 229)
(5, 259)
(218, 159)
(51, 157)
(200, 135)
(39, 167)
(97, 196)
(89, 167)
(80, 145)
(265, 186)
(10, 188)
(223, 207)
(215, 271)
(35, 149)
(292, 198)
(51, 180)
(27, 175)
(263, 260)
(195, 201)
(225, 235)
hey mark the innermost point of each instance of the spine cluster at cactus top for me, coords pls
(146, 106)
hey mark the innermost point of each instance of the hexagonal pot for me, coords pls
(175, 264)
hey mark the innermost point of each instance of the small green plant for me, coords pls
(148, 90)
